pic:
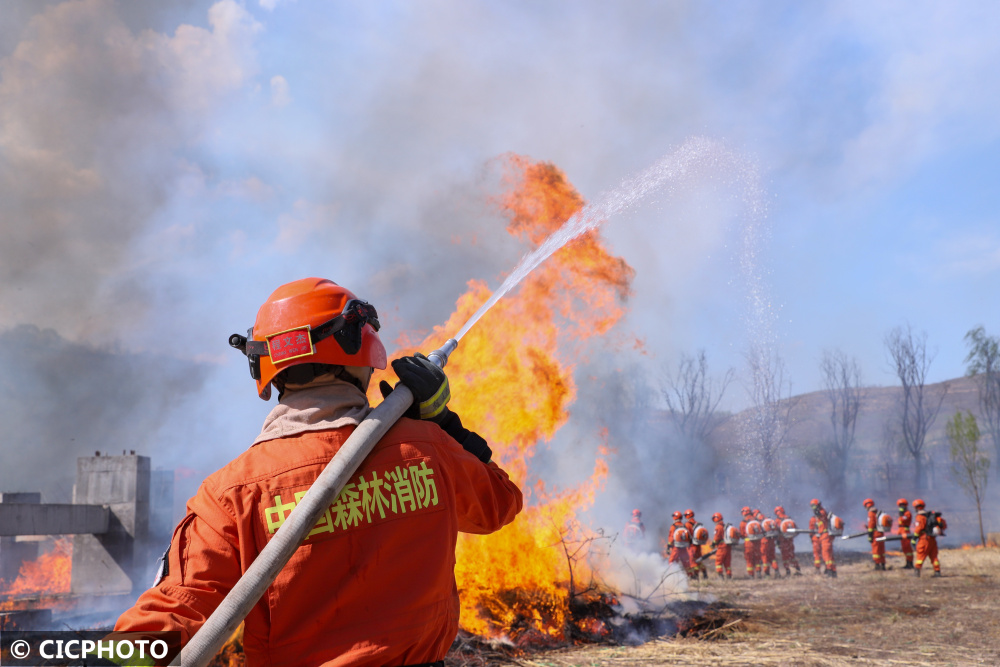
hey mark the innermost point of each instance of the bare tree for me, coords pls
(842, 379)
(910, 361)
(889, 451)
(769, 415)
(970, 465)
(984, 365)
(692, 397)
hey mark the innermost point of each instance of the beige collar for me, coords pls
(315, 408)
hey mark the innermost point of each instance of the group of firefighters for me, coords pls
(764, 538)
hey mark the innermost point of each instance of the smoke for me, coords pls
(92, 119)
(60, 400)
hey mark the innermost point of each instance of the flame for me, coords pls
(511, 383)
(49, 574)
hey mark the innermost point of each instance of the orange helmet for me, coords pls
(636, 513)
(815, 503)
(901, 501)
(688, 514)
(779, 511)
(310, 321)
(745, 510)
(869, 502)
(677, 516)
(918, 504)
(757, 514)
(717, 518)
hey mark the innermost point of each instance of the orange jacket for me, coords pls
(872, 525)
(821, 523)
(374, 582)
(904, 522)
(920, 526)
(719, 537)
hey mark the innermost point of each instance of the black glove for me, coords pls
(431, 393)
(427, 382)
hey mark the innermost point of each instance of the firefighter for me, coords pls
(927, 527)
(874, 533)
(694, 551)
(903, 529)
(723, 548)
(768, 544)
(635, 532)
(823, 539)
(374, 581)
(680, 540)
(786, 543)
(750, 532)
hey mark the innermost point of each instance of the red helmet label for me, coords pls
(291, 344)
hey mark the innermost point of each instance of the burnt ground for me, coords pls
(862, 617)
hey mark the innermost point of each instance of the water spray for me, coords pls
(227, 617)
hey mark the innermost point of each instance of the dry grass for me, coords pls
(862, 617)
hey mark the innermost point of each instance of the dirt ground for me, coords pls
(861, 617)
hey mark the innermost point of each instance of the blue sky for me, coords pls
(164, 166)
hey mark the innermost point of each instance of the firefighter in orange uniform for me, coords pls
(635, 532)
(926, 529)
(903, 529)
(787, 542)
(751, 542)
(768, 543)
(723, 548)
(820, 522)
(680, 540)
(694, 551)
(878, 547)
(373, 583)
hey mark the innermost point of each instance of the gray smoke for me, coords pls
(60, 400)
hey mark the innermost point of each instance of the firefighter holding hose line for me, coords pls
(373, 583)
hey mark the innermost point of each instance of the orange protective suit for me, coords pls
(679, 553)
(822, 540)
(694, 551)
(903, 529)
(723, 551)
(878, 548)
(768, 555)
(751, 550)
(373, 584)
(927, 547)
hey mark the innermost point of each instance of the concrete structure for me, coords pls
(118, 532)
(105, 564)
(51, 519)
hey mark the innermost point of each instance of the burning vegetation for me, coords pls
(514, 382)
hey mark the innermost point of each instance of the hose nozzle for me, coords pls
(439, 357)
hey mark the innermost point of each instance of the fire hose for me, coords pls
(893, 538)
(800, 531)
(706, 556)
(227, 617)
(851, 537)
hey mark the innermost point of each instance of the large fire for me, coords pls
(512, 382)
(49, 574)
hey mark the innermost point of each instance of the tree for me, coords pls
(984, 365)
(969, 465)
(842, 379)
(692, 397)
(910, 361)
(769, 416)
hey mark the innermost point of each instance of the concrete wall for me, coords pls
(106, 564)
